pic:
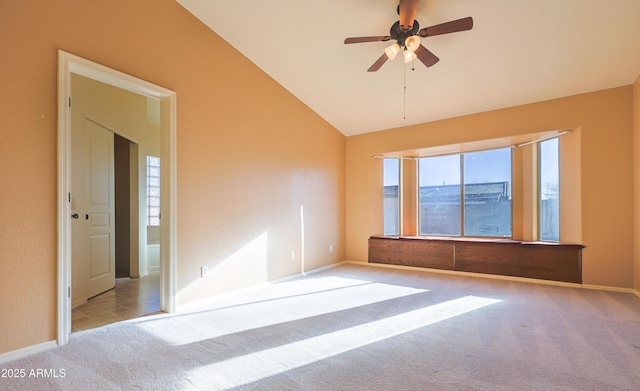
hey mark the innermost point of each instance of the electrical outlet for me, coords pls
(331, 248)
(204, 271)
(293, 254)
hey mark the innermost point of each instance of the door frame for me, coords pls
(71, 64)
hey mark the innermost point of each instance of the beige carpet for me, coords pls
(356, 327)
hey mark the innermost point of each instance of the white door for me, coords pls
(93, 211)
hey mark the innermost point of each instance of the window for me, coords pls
(153, 191)
(549, 206)
(477, 205)
(439, 195)
(487, 193)
(391, 184)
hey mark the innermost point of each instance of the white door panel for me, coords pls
(93, 199)
(99, 245)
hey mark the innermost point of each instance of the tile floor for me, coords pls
(131, 298)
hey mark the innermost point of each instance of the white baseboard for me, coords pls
(609, 288)
(205, 302)
(469, 274)
(78, 303)
(20, 353)
(498, 277)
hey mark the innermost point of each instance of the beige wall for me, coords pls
(249, 154)
(636, 172)
(604, 123)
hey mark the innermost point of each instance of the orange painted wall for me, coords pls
(606, 134)
(249, 154)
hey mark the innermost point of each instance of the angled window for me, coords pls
(549, 205)
(391, 184)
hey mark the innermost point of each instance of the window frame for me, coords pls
(398, 209)
(540, 189)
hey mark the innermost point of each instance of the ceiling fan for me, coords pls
(406, 32)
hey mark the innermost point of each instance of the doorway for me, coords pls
(73, 65)
(125, 182)
(106, 284)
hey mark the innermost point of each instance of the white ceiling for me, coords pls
(518, 52)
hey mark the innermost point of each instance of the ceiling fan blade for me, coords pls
(448, 27)
(379, 62)
(425, 55)
(407, 11)
(379, 38)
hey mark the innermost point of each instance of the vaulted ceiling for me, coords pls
(518, 52)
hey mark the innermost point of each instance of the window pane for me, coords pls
(153, 171)
(391, 183)
(153, 161)
(439, 195)
(549, 211)
(487, 193)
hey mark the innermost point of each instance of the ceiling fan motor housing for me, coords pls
(401, 35)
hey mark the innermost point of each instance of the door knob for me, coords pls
(74, 216)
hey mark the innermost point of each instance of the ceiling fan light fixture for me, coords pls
(412, 43)
(406, 34)
(392, 50)
(409, 56)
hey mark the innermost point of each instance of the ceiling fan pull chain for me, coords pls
(404, 92)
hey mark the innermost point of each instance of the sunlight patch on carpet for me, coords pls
(281, 303)
(282, 358)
